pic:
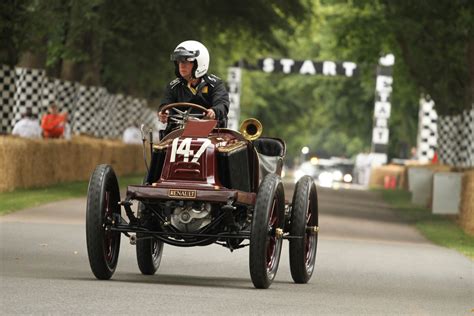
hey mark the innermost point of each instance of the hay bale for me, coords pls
(466, 215)
(26, 163)
(378, 175)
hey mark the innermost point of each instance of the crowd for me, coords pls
(54, 124)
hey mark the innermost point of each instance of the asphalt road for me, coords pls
(369, 262)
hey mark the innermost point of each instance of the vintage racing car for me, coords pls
(206, 185)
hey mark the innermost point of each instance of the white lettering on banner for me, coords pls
(380, 135)
(384, 84)
(382, 110)
(233, 87)
(287, 64)
(268, 65)
(329, 68)
(381, 122)
(307, 68)
(384, 95)
(234, 100)
(349, 67)
(234, 76)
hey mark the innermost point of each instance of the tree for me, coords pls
(433, 40)
(330, 115)
(126, 45)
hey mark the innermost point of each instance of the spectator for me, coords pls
(53, 123)
(132, 135)
(414, 153)
(67, 129)
(28, 126)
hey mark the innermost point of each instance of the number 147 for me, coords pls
(184, 149)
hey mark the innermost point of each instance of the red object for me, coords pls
(53, 125)
(390, 182)
(200, 177)
(199, 128)
(435, 158)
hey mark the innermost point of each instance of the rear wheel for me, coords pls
(266, 231)
(304, 223)
(103, 245)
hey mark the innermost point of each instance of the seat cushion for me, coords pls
(273, 147)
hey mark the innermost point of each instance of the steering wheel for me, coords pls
(181, 117)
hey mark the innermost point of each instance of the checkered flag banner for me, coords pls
(28, 92)
(427, 130)
(92, 110)
(7, 100)
(87, 110)
(452, 137)
(62, 93)
(456, 139)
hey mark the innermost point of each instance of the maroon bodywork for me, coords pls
(203, 188)
(201, 176)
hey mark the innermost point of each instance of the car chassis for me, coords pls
(206, 185)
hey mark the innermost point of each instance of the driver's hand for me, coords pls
(210, 114)
(163, 116)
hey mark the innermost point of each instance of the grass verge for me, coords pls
(440, 229)
(24, 198)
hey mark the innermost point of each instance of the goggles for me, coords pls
(181, 54)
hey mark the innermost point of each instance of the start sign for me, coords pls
(308, 67)
(383, 90)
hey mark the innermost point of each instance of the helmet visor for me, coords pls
(182, 54)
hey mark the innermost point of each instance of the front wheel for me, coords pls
(304, 224)
(266, 232)
(149, 252)
(103, 245)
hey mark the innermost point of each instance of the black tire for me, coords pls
(265, 247)
(102, 205)
(149, 252)
(304, 213)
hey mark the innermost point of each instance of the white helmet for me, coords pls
(192, 51)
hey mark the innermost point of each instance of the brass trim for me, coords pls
(231, 147)
(251, 129)
(163, 144)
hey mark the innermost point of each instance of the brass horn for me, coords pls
(251, 129)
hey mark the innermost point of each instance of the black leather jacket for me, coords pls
(210, 93)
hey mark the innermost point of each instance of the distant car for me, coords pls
(327, 171)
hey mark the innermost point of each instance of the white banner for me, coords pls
(234, 75)
(382, 107)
